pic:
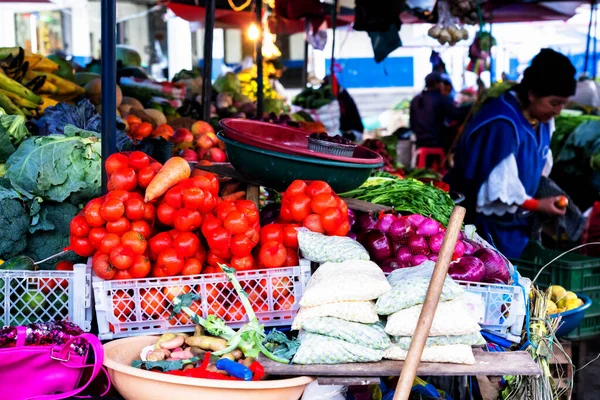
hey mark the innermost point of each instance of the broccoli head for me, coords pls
(14, 218)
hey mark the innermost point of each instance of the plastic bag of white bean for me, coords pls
(409, 287)
(320, 248)
(354, 311)
(368, 335)
(453, 353)
(319, 349)
(451, 319)
(472, 339)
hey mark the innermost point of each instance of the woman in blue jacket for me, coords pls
(505, 150)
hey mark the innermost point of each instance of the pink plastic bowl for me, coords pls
(137, 384)
(287, 140)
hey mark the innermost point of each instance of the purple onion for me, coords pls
(365, 222)
(428, 227)
(496, 266)
(377, 244)
(459, 249)
(384, 222)
(468, 268)
(418, 244)
(351, 218)
(469, 249)
(415, 220)
(435, 242)
(391, 264)
(404, 255)
(400, 228)
(352, 235)
(433, 257)
(418, 259)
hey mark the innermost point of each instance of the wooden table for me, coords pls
(486, 363)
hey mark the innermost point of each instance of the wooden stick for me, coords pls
(413, 358)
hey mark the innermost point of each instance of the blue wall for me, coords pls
(217, 63)
(578, 61)
(365, 73)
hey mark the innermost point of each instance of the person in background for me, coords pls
(505, 150)
(351, 124)
(446, 88)
(429, 112)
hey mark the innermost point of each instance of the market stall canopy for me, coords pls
(194, 11)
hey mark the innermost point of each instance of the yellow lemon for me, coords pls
(563, 301)
(557, 292)
(551, 307)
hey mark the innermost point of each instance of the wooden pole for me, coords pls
(108, 119)
(413, 358)
(209, 27)
(260, 94)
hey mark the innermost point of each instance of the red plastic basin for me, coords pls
(287, 140)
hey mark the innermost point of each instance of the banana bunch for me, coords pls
(28, 84)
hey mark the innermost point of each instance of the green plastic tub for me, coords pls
(277, 170)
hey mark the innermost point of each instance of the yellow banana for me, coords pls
(48, 102)
(12, 86)
(9, 106)
(64, 86)
(19, 101)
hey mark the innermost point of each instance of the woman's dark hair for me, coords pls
(550, 74)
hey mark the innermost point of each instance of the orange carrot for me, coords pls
(235, 196)
(174, 171)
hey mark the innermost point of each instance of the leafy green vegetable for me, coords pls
(565, 125)
(58, 166)
(228, 83)
(14, 218)
(406, 195)
(12, 132)
(281, 345)
(49, 233)
(164, 366)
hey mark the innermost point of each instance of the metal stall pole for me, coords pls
(108, 16)
(209, 26)
(260, 96)
(305, 65)
(333, 26)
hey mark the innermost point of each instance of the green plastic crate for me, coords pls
(574, 272)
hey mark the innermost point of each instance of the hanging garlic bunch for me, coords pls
(448, 29)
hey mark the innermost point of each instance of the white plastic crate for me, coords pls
(500, 309)
(142, 306)
(44, 296)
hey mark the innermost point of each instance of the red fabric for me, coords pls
(592, 232)
(530, 205)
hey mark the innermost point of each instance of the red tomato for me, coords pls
(108, 242)
(331, 219)
(171, 292)
(119, 226)
(152, 302)
(261, 306)
(123, 305)
(79, 226)
(281, 287)
(296, 187)
(145, 176)
(102, 267)
(122, 195)
(242, 263)
(224, 254)
(92, 215)
(224, 208)
(219, 239)
(121, 257)
(217, 309)
(81, 246)
(124, 179)
(208, 182)
(187, 220)
(249, 210)
(342, 206)
(112, 210)
(235, 312)
(174, 197)
(135, 209)
(253, 235)
(192, 266)
(236, 222)
(284, 303)
(47, 285)
(241, 245)
(165, 214)
(115, 162)
(142, 228)
(272, 232)
(135, 241)
(318, 187)
(300, 207)
(342, 230)
(201, 255)
(213, 261)
(149, 213)
(169, 262)
(290, 236)
(322, 202)
(140, 267)
(313, 223)
(291, 259)
(210, 223)
(95, 236)
(138, 159)
(186, 244)
(285, 214)
(159, 243)
(156, 166)
(272, 254)
(193, 198)
(123, 275)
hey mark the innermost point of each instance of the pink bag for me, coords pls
(49, 372)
